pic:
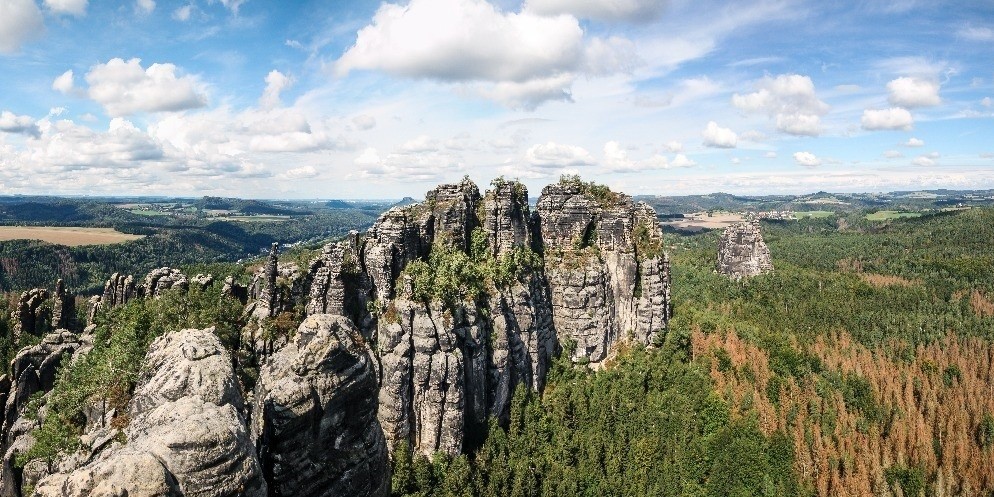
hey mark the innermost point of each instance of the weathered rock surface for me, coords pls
(187, 435)
(63, 307)
(314, 418)
(742, 252)
(606, 269)
(30, 316)
(32, 370)
(118, 290)
(446, 367)
(162, 279)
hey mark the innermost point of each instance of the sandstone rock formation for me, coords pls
(32, 370)
(742, 252)
(63, 307)
(118, 290)
(187, 435)
(314, 419)
(31, 316)
(162, 279)
(447, 364)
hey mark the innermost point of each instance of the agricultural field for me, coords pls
(71, 236)
(700, 221)
(814, 214)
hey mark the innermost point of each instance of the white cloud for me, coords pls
(530, 94)
(20, 21)
(13, 123)
(276, 82)
(183, 13)
(914, 142)
(402, 166)
(770, 155)
(893, 154)
(986, 101)
(924, 161)
(303, 172)
(790, 99)
(977, 33)
(716, 136)
(68, 146)
(364, 122)
(555, 155)
(806, 159)
(913, 92)
(125, 88)
(752, 136)
(293, 44)
(673, 146)
(602, 10)
(681, 160)
(145, 6)
(73, 7)
(893, 118)
(464, 40)
(64, 83)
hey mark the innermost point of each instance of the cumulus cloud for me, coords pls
(790, 99)
(681, 160)
(893, 154)
(913, 92)
(464, 40)
(893, 118)
(297, 173)
(124, 87)
(556, 155)
(770, 155)
(69, 146)
(13, 123)
(145, 6)
(986, 101)
(530, 94)
(673, 146)
(924, 161)
(718, 137)
(276, 82)
(601, 10)
(73, 7)
(64, 83)
(405, 166)
(364, 122)
(20, 21)
(183, 13)
(806, 159)
(519, 59)
(914, 142)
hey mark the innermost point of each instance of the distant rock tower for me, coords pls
(742, 252)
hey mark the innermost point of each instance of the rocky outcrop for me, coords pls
(162, 279)
(187, 435)
(314, 418)
(742, 253)
(30, 316)
(118, 290)
(447, 364)
(32, 370)
(277, 287)
(235, 290)
(63, 307)
(605, 265)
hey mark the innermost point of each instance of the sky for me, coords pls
(362, 100)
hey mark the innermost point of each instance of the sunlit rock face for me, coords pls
(742, 253)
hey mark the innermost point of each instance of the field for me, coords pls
(704, 221)
(70, 236)
(255, 218)
(887, 215)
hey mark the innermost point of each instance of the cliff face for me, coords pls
(742, 252)
(469, 296)
(419, 331)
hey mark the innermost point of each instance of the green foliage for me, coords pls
(598, 193)
(911, 479)
(985, 431)
(451, 275)
(109, 371)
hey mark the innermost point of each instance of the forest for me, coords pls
(861, 366)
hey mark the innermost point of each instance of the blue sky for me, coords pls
(337, 99)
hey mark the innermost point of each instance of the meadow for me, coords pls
(62, 235)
